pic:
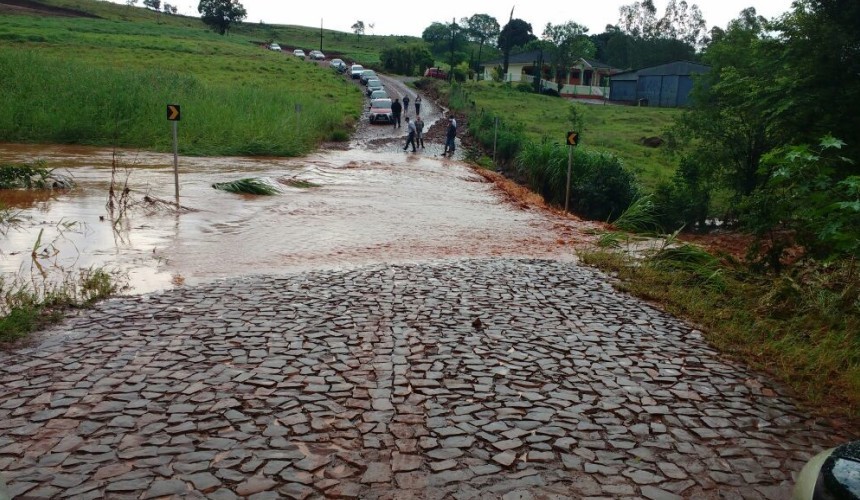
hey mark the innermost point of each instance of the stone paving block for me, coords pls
(309, 383)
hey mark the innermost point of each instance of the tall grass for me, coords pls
(51, 100)
(26, 305)
(601, 188)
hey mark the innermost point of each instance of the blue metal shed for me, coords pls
(666, 85)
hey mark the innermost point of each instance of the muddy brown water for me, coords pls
(370, 206)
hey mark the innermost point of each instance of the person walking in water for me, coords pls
(406, 104)
(410, 139)
(419, 131)
(450, 135)
(396, 108)
(417, 105)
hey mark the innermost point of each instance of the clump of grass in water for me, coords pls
(250, 185)
(32, 176)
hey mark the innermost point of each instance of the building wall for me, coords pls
(666, 91)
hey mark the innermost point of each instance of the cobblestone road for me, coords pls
(472, 379)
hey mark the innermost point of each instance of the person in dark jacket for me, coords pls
(450, 135)
(406, 104)
(396, 108)
(417, 104)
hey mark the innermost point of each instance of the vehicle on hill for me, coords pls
(355, 71)
(316, 55)
(380, 111)
(373, 84)
(367, 75)
(338, 65)
(275, 47)
(379, 94)
(299, 53)
(436, 73)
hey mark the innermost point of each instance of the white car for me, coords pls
(316, 55)
(355, 71)
(299, 53)
(275, 47)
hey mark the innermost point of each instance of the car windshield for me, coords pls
(379, 94)
(380, 103)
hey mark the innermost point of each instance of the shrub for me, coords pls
(600, 187)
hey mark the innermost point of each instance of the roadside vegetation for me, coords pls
(28, 305)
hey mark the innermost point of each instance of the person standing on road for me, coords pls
(450, 135)
(419, 131)
(410, 139)
(396, 108)
(406, 104)
(417, 105)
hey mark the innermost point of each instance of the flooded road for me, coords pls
(368, 207)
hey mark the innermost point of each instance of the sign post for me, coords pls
(572, 140)
(495, 136)
(173, 115)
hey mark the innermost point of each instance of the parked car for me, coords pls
(316, 55)
(378, 94)
(275, 46)
(832, 474)
(380, 111)
(367, 75)
(355, 71)
(338, 65)
(373, 84)
(299, 53)
(436, 73)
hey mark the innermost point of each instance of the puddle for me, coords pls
(369, 207)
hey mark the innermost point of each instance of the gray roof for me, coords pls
(524, 57)
(681, 68)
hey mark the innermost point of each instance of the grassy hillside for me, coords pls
(616, 129)
(106, 80)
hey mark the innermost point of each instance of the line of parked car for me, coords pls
(315, 55)
(380, 102)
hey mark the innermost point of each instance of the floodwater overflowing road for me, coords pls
(363, 207)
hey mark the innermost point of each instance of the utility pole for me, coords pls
(321, 24)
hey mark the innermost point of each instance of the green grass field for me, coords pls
(106, 82)
(612, 128)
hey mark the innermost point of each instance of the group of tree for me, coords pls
(408, 60)
(776, 126)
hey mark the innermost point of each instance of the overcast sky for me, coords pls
(411, 17)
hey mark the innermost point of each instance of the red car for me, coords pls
(436, 73)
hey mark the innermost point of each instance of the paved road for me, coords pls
(512, 379)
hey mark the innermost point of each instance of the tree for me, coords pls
(684, 23)
(515, 34)
(480, 28)
(152, 4)
(569, 42)
(680, 21)
(131, 3)
(358, 28)
(221, 14)
(639, 19)
(169, 9)
(406, 60)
